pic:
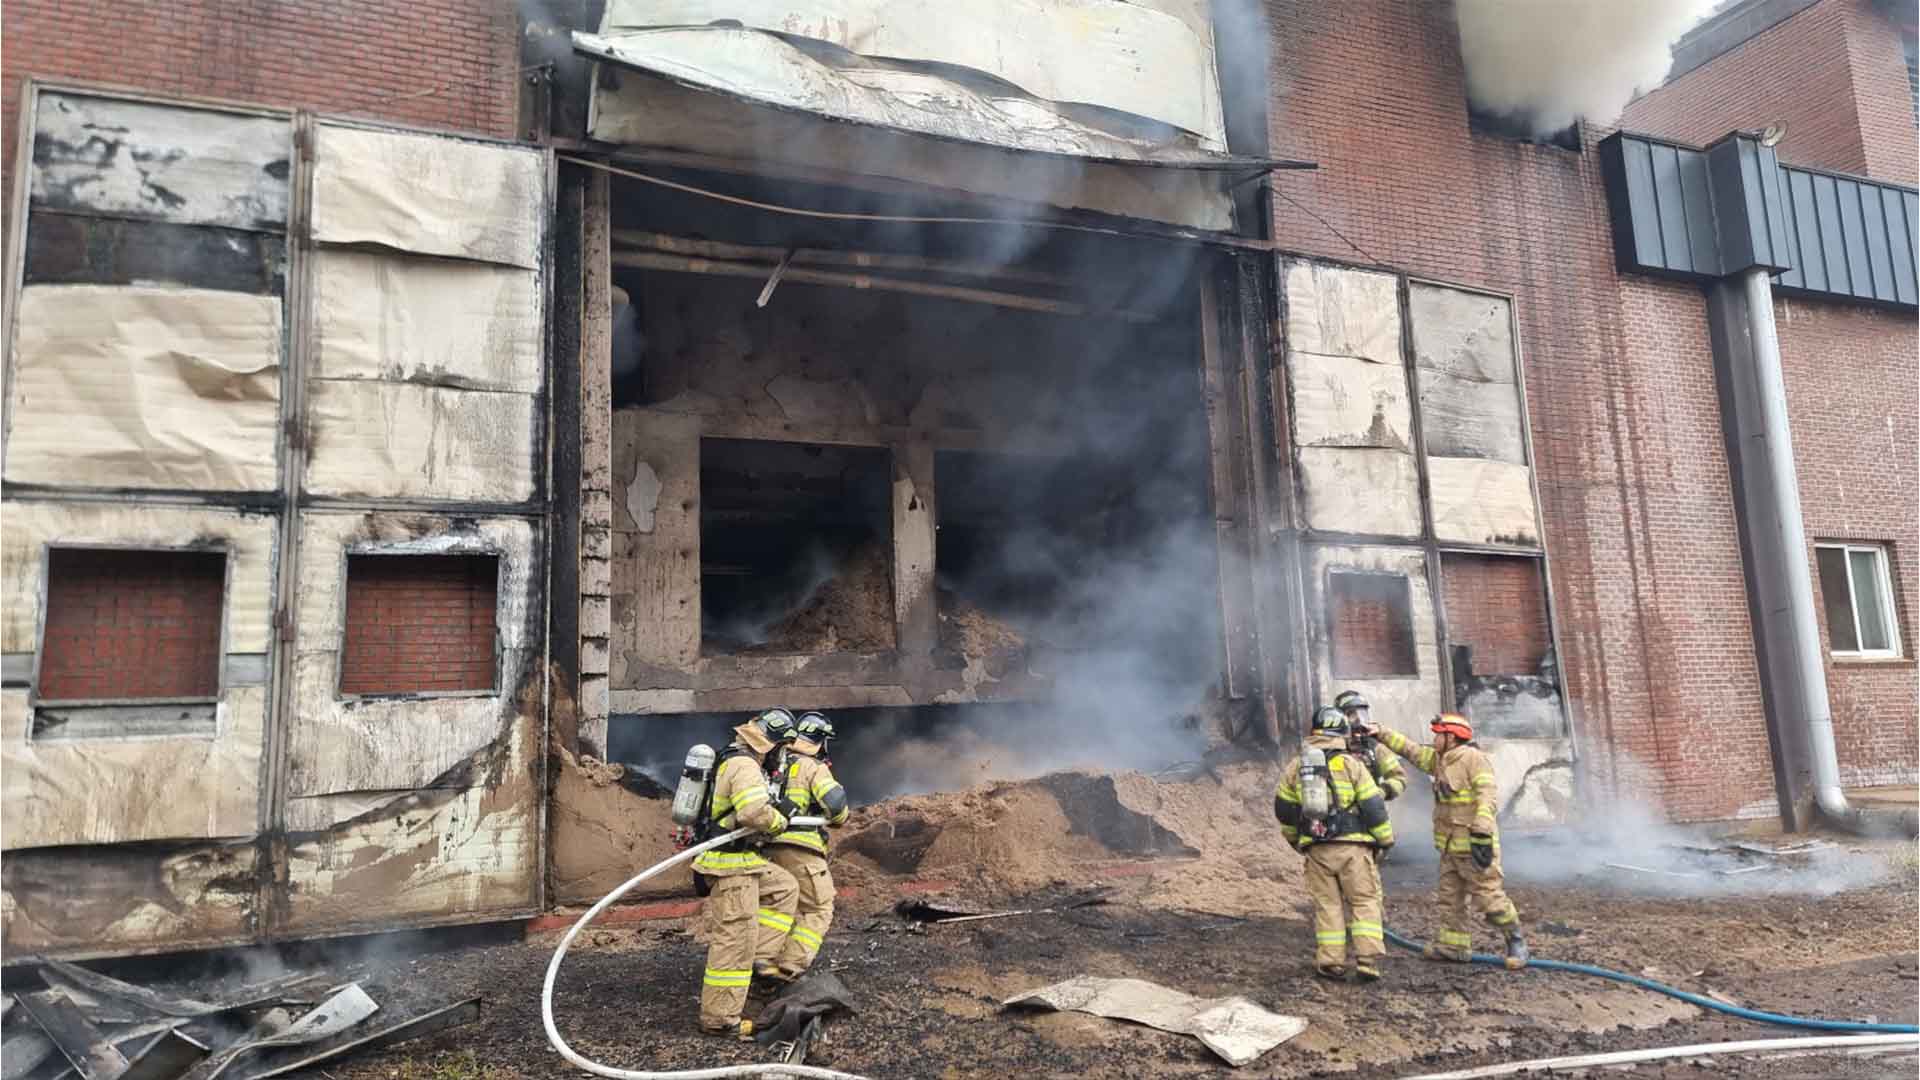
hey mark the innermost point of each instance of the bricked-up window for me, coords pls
(1857, 590)
(1497, 609)
(1370, 619)
(132, 625)
(419, 624)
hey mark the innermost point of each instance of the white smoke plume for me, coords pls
(1547, 63)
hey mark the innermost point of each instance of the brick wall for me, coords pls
(419, 623)
(1856, 440)
(132, 624)
(1832, 73)
(436, 63)
(1497, 605)
(1371, 625)
(1658, 654)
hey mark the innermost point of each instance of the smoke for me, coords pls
(1546, 63)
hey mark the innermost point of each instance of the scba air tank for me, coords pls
(693, 784)
(1316, 795)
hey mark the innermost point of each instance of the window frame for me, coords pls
(1883, 563)
(500, 566)
(35, 700)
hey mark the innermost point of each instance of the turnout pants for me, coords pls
(1463, 885)
(738, 906)
(793, 952)
(1340, 876)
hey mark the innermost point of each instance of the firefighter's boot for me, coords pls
(1367, 969)
(1517, 954)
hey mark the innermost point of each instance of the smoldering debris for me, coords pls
(102, 1028)
(1547, 63)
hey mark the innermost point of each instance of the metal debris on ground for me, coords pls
(922, 911)
(1234, 1028)
(793, 1022)
(89, 1026)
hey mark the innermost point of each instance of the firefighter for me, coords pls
(1466, 835)
(1387, 770)
(748, 889)
(808, 790)
(1333, 813)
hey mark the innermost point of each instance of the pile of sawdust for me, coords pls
(851, 612)
(969, 631)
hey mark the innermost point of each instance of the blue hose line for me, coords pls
(1692, 999)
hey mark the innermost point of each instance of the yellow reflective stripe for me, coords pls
(1456, 937)
(1483, 778)
(1382, 832)
(821, 788)
(727, 977)
(728, 860)
(804, 838)
(775, 920)
(806, 937)
(1331, 937)
(754, 794)
(1366, 930)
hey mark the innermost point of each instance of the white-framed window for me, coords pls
(1857, 590)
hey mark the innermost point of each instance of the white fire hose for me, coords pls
(723, 1072)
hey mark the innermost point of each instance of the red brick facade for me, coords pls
(1657, 648)
(1371, 626)
(1833, 74)
(1496, 605)
(435, 63)
(127, 625)
(419, 624)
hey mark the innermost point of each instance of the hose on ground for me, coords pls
(723, 1072)
(1849, 1043)
(1782, 1019)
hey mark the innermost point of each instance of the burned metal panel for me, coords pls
(73, 249)
(1348, 401)
(404, 440)
(1469, 388)
(338, 746)
(429, 195)
(915, 613)
(1154, 61)
(78, 901)
(641, 111)
(1359, 491)
(145, 387)
(1404, 703)
(435, 322)
(136, 159)
(1476, 501)
(1338, 311)
(656, 543)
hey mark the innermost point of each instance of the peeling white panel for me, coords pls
(1406, 704)
(1534, 778)
(180, 164)
(1335, 311)
(1482, 502)
(1466, 418)
(1346, 401)
(145, 387)
(1107, 53)
(643, 496)
(443, 323)
(337, 746)
(642, 111)
(1463, 334)
(1364, 491)
(397, 440)
(656, 543)
(27, 527)
(428, 194)
(117, 791)
(772, 71)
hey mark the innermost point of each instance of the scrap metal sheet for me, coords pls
(1360, 490)
(143, 387)
(769, 69)
(1236, 1029)
(27, 527)
(432, 321)
(428, 194)
(1482, 502)
(174, 163)
(401, 440)
(1107, 53)
(117, 791)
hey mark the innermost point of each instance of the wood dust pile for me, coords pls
(969, 631)
(851, 612)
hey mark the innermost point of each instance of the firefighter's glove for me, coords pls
(1481, 845)
(777, 826)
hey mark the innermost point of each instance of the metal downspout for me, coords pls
(1803, 625)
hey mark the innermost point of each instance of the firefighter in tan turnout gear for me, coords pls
(1333, 813)
(808, 789)
(1466, 835)
(749, 890)
(1387, 770)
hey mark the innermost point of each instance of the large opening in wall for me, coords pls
(1499, 645)
(795, 548)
